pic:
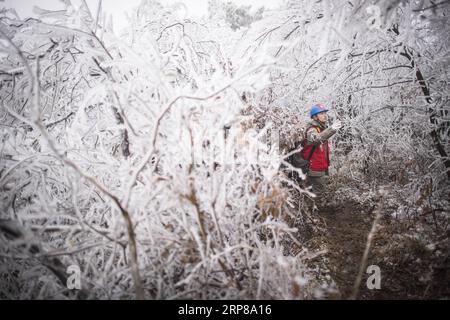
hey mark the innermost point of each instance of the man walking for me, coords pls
(317, 148)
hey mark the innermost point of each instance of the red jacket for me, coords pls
(320, 159)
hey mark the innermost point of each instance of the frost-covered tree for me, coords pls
(131, 158)
(234, 16)
(154, 161)
(381, 71)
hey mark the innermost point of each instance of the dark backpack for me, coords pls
(297, 160)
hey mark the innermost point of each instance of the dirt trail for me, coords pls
(346, 235)
(408, 269)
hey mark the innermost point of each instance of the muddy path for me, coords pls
(409, 269)
(346, 231)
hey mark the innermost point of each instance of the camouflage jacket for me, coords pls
(313, 137)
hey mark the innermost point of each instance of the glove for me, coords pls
(336, 125)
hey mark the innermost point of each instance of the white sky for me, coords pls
(118, 8)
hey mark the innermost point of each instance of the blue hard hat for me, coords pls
(317, 108)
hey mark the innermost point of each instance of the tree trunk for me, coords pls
(426, 92)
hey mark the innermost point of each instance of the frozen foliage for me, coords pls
(384, 71)
(152, 162)
(131, 158)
